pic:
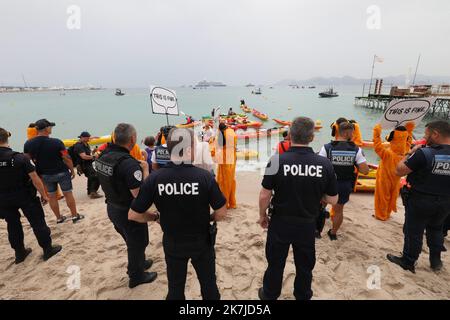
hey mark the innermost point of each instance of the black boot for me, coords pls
(51, 251)
(401, 262)
(22, 254)
(435, 261)
(147, 277)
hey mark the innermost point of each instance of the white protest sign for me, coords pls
(399, 112)
(164, 101)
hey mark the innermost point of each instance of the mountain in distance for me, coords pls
(348, 80)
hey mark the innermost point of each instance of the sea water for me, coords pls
(98, 111)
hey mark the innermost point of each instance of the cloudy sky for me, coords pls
(132, 43)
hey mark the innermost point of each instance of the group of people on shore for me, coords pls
(175, 173)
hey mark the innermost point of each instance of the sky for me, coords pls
(135, 43)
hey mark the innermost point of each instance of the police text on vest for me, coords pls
(178, 189)
(303, 170)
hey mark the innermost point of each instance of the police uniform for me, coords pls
(344, 156)
(93, 184)
(183, 195)
(161, 155)
(17, 192)
(119, 173)
(299, 181)
(428, 204)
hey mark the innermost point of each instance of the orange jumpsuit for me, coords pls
(387, 186)
(226, 169)
(357, 136)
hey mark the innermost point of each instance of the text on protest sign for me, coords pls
(399, 112)
(164, 101)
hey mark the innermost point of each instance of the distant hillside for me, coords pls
(348, 80)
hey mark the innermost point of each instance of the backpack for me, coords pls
(75, 157)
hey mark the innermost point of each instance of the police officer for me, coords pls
(161, 157)
(427, 204)
(345, 157)
(82, 151)
(18, 184)
(121, 177)
(300, 180)
(183, 194)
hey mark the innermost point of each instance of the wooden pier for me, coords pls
(440, 109)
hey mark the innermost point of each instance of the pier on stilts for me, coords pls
(440, 108)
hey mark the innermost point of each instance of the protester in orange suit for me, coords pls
(357, 136)
(225, 154)
(31, 131)
(387, 187)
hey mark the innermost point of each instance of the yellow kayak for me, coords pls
(92, 142)
(188, 125)
(365, 185)
(247, 154)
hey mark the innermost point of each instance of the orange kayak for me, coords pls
(245, 109)
(317, 126)
(260, 115)
(262, 133)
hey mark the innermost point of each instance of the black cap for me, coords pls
(84, 134)
(43, 123)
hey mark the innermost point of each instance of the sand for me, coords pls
(341, 270)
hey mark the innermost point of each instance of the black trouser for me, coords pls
(203, 258)
(32, 210)
(424, 212)
(93, 183)
(280, 236)
(446, 225)
(134, 234)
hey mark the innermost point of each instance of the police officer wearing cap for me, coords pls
(345, 156)
(161, 157)
(427, 201)
(121, 177)
(85, 158)
(18, 184)
(299, 180)
(183, 195)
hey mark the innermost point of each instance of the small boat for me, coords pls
(188, 125)
(262, 133)
(252, 124)
(245, 108)
(119, 92)
(260, 115)
(257, 91)
(317, 126)
(311, 87)
(330, 93)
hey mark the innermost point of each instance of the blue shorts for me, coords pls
(51, 182)
(345, 188)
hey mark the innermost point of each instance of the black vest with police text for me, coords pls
(116, 191)
(342, 155)
(162, 156)
(434, 178)
(12, 177)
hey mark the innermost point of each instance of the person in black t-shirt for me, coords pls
(299, 180)
(18, 184)
(55, 166)
(183, 195)
(86, 159)
(427, 201)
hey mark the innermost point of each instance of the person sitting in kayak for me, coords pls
(189, 120)
(231, 112)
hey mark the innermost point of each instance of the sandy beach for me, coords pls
(99, 252)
